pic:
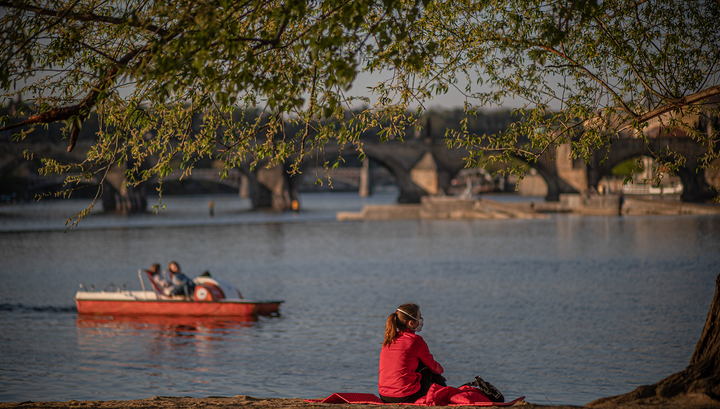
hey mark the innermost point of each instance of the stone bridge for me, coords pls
(420, 166)
(695, 184)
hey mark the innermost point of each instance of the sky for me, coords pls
(448, 101)
(453, 99)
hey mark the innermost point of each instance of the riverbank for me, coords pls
(163, 402)
(451, 207)
(241, 401)
(629, 205)
(445, 207)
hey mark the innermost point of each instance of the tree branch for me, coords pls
(85, 17)
(587, 72)
(680, 102)
(629, 63)
(88, 46)
(81, 110)
(310, 109)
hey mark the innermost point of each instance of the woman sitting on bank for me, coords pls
(407, 369)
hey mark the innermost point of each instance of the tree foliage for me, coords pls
(148, 67)
(587, 71)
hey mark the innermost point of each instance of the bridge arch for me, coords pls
(398, 158)
(409, 191)
(13, 161)
(695, 185)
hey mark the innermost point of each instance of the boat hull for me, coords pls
(178, 308)
(170, 322)
(136, 303)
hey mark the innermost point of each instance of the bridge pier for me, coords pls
(555, 184)
(244, 188)
(430, 176)
(127, 200)
(695, 186)
(120, 197)
(365, 189)
(399, 161)
(420, 168)
(556, 167)
(272, 188)
(410, 192)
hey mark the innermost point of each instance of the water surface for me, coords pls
(566, 310)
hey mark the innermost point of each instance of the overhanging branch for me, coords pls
(84, 17)
(680, 102)
(81, 110)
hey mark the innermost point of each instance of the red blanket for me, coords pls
(436, 396)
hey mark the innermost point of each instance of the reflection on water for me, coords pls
(163, 339)
(568, 309)
(182, 326)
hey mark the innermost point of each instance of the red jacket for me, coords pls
(398, 363)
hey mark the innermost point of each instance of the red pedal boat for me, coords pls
(212, 298)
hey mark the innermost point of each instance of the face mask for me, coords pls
(420, 325)
(419, 321)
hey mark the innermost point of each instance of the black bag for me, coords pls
(487, 389)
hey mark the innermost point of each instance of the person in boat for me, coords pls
(180, 284)
(156, 276)
(407, 368)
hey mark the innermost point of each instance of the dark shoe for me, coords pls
(487, 389)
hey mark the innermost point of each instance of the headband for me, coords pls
(407, 314)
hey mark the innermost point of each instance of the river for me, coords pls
(562, 310)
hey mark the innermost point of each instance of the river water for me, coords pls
(563, 310)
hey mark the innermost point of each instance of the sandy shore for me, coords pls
(250, 402)
(685, 401)
(168, 402)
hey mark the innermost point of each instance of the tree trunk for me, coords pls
(696, 386)
(708, 347)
